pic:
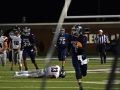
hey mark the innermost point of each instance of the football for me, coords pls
(78, 44)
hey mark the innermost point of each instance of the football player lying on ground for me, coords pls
(49, 72)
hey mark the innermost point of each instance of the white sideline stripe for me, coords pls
(56, 87)
(88, 71)
(73, 76)
(70, 58)
(90, 82)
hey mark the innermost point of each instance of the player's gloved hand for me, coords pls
(9, 49)
(75, 46)
(56, 46)
(28, 44)
(67, 54)
(84, 61)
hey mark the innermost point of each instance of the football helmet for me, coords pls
(62, 74)
(62, 30)
(1, 32)
(26, 31)
(76, 30)
(11, 33)
(16, 30)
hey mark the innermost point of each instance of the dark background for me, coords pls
(37, 11)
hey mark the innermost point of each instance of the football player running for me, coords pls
(16, 48)
(79, 60)
(28, 43)
(49, 72)
(61, 47)
(3, 48)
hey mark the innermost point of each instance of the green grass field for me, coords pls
(95, 80)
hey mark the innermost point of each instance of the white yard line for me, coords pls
(90, 82)
(89, 71)
(70, 58)
(58, 87)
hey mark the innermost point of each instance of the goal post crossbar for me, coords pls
(92, 16)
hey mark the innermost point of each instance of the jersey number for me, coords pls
(62, 41)
(54, 69)
(16, 42)
(26, 42)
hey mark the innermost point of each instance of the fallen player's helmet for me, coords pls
(62, 74)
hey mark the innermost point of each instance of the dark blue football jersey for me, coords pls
(61, 42)
(77, 51)
(28, 41)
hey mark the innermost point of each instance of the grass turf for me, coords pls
(93, 80)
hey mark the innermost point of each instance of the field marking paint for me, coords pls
(69, 59)
(88, 71)
(58, 87)
(90, 82)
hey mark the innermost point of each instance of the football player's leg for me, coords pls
(25, 54)
(19, 59)
(59, 55)
(76, 64)
(10, 56)
(3, 59)
(84, 69)
(32, 56)
(12, 62)
(103, 53)
(41, 73)
(14, 56)
(84, 66)
(21, 75)
(10, 59)
(100, 51)
(63, 57)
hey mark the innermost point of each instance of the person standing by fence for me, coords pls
(101, 40)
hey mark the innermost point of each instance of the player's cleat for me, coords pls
(15, 75)
(15, 63)
(81, 88)
(11, 69)
(37, 68)
(26, 69)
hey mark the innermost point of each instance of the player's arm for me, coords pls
(33, 41)
(10, 44)
(55, 43)
(82, 43)
(19, 46)
(96, 39)
(68, 45)
(5, 46)
(22, 43)
(106, 39)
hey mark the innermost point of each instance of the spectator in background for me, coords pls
(24, 20)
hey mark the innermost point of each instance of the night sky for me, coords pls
(38, 11)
